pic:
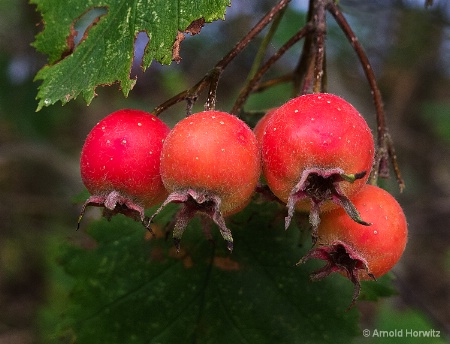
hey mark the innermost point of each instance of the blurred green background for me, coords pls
(409, 48)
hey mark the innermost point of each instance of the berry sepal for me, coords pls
(195, 201)
(319, 186)
(342, 258)
(114, 203)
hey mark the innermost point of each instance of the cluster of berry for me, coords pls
(314, 153)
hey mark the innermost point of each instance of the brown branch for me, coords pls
(211, 78)
(244, 94)
(344, 25)
(384, 143)
(303, 73)
(260, 87)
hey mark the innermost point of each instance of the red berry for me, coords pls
(361, 252)
(120, 163)
(317, 151)
(210, 162)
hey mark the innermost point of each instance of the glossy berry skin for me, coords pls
(212, 159)
(362, 252)
(120, 161)
(317, 150)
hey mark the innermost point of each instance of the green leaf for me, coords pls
(132, 288)
(374, 290)
(105, 55)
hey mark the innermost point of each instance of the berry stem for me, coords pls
(264, 44)
(245, 92)
(211, 78)
(365, 63)
(262, 86)
(320, 26)
(303, 72)
(385, 146)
